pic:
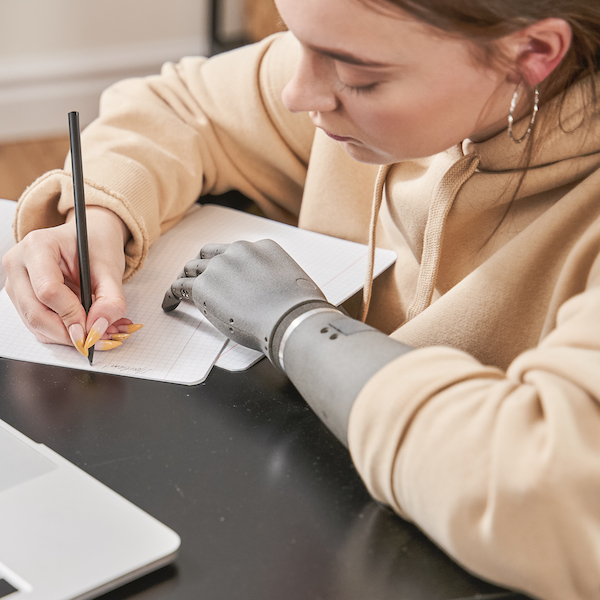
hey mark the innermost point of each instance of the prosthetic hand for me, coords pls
(246, 290)
(258, 296)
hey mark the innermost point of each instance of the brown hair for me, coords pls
(483, 22)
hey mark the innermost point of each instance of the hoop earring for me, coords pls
(513, 104)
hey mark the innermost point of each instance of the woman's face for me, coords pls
(386, 86)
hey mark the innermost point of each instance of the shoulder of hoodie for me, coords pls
(256, 75)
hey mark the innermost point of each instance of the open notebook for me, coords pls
(182, 346)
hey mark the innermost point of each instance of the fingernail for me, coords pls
(119, 336)
(76, 335)
(96, 332)
(130, 328)
(107, 344)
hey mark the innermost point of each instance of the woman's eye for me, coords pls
(359, 89)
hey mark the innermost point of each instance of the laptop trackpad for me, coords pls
(19, 462)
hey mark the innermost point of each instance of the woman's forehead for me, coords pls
(360, 29)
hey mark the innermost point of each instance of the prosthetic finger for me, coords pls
(195, 267)
(181, 289)
(212, 250)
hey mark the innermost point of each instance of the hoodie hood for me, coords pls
(458, 208)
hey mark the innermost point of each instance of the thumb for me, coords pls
(109, 306)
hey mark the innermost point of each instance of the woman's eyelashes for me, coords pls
(358, 89)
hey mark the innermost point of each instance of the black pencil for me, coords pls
(83, 254)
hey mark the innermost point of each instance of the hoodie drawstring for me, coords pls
(433, 237)
(377, 199)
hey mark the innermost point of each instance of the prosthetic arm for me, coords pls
(258, 296)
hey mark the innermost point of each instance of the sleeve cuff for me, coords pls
(48, 199)
(387, 406)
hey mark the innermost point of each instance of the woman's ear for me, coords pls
(539, 48)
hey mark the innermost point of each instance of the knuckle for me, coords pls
(34, 238)
(240, 246)
(238, 251)
(267, 244)
(48, 291)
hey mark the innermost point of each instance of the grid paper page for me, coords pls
(180, 348)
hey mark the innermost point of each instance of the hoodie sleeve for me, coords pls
(501, 469)
(201, 126)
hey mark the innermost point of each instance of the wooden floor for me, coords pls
(22, 162)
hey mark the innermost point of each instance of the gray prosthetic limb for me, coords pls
(329, 357)
(258, 296)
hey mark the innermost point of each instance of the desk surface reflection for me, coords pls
(265, 499)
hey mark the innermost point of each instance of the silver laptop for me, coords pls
(63, 534)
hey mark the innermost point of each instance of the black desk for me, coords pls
(266, 501)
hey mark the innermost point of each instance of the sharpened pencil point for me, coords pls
(91, 355)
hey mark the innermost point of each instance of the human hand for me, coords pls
(43, 281)
(245, 290)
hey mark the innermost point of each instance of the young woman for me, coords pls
(470, 401)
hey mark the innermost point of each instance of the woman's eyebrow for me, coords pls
(346, 57)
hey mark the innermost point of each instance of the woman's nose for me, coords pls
(312, 88)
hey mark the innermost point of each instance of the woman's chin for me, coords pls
(365, 154)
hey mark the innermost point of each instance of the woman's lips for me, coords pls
(339, 138)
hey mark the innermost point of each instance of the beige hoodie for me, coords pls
(488, 435)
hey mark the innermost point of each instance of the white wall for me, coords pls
(58, 55)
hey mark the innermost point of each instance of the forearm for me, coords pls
(99, 217)
(500, 468)
(329, 357)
